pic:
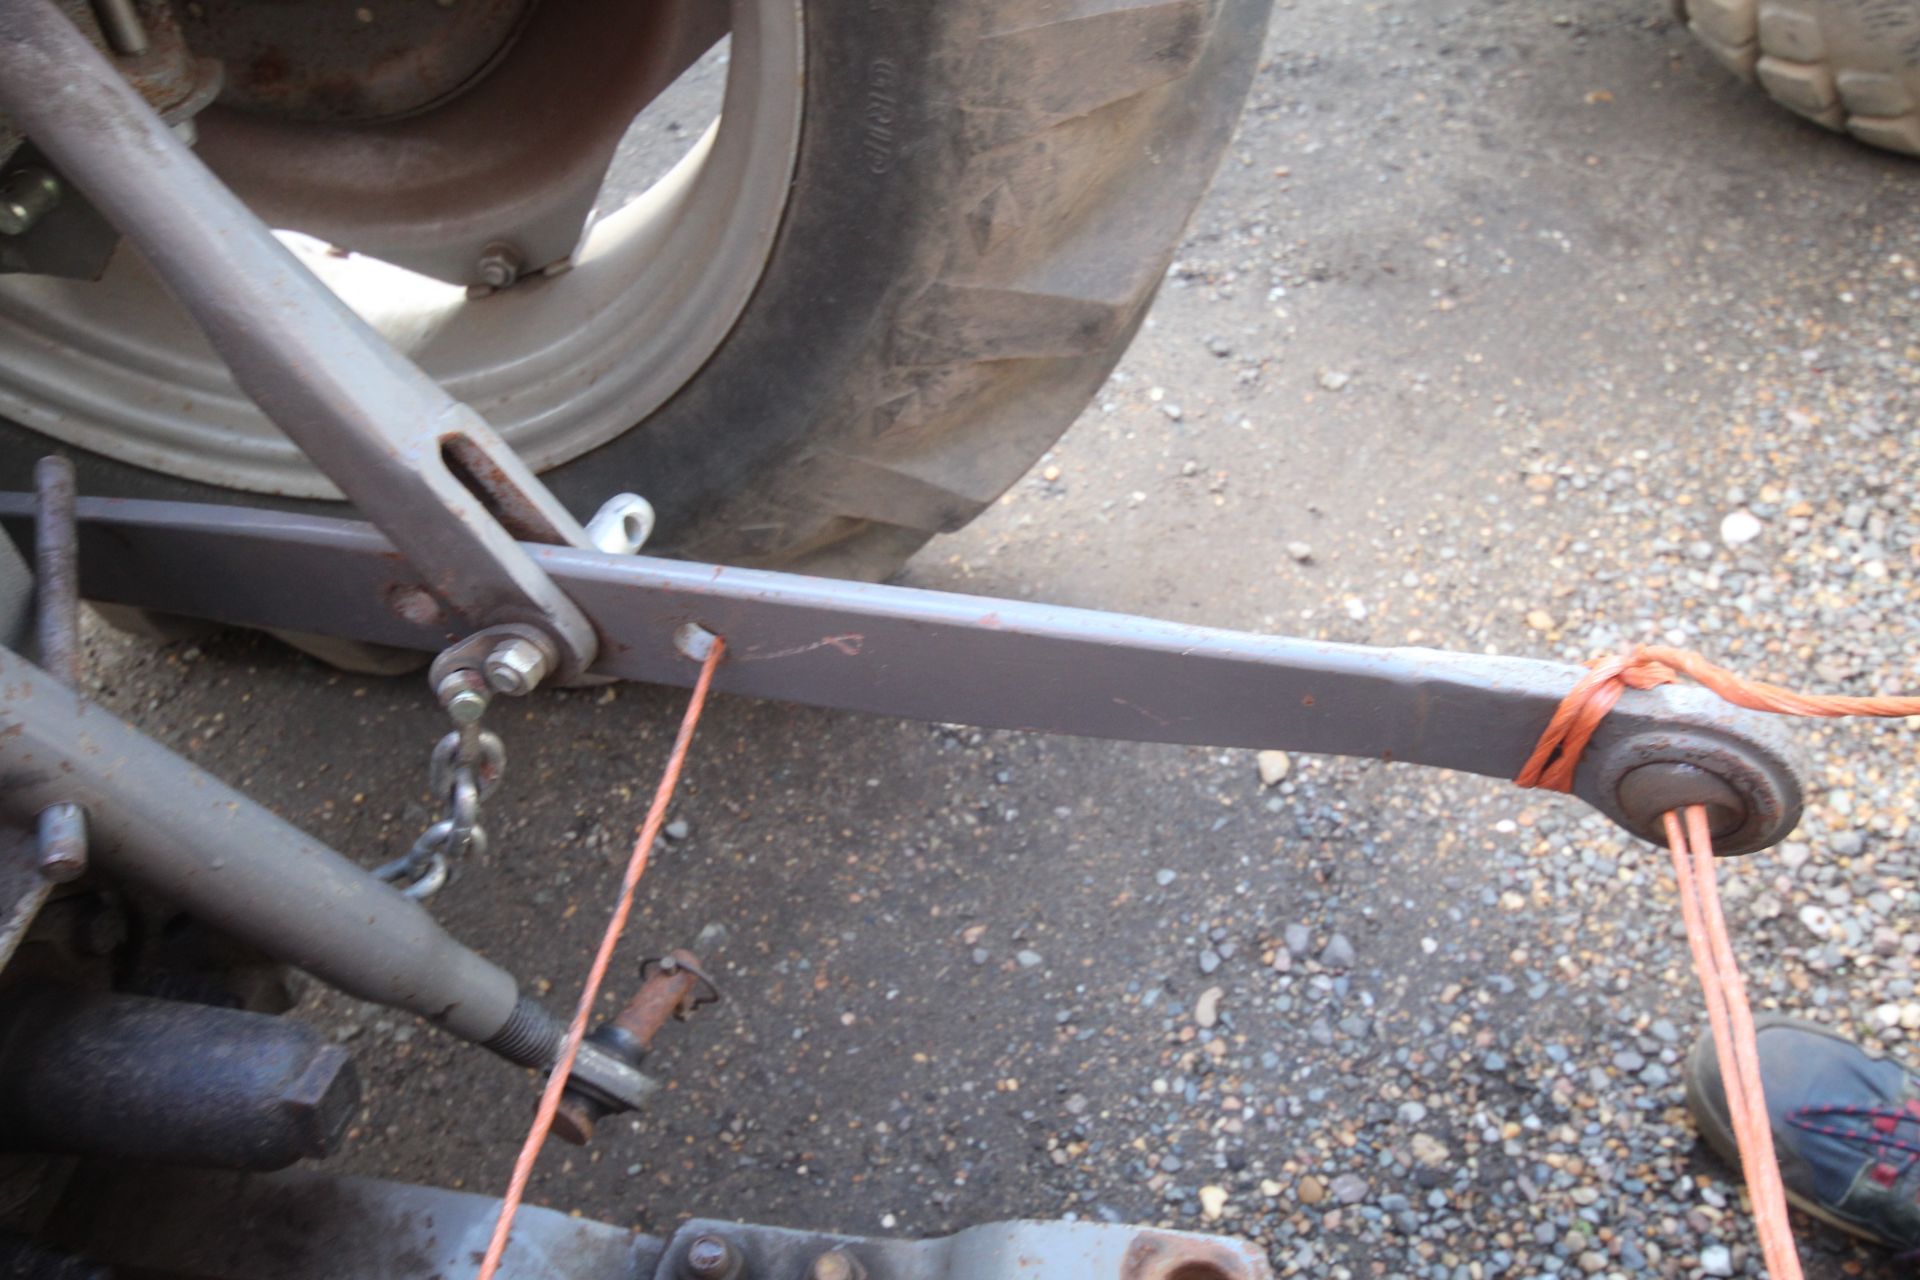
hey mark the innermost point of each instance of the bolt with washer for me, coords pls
(712, 1258)
(499, 265)
(465, 695)
(517, 667)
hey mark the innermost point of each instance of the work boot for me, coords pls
(1846, 1127)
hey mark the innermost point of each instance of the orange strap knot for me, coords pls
(1647, 666)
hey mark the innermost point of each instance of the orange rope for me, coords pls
(1643, 667)
(577, 1029)
(1734, 1041)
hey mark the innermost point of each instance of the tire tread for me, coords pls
(1849, 67)
(1049, 261)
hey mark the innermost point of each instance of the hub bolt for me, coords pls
(499, 265)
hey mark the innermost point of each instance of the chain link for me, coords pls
(465, 767)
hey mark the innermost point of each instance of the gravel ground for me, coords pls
(1506, 328)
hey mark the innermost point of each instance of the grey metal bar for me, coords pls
(173, 828)
(62, 827)
(948, 658)
(120, 24)
(56, 561)
(382, 430)
(23, 889)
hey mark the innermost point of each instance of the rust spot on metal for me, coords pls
(415, 605)
(665, 995)
(1158, 1256)
(488, 480)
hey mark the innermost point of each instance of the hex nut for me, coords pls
(499, 265)
(516, 667)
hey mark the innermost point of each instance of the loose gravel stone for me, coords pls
(1349, 1188)
(1274, 767)
(1739, 528)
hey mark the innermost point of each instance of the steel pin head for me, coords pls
(711, 1258)
(837, 1264)
(464, 695)
(63, 842)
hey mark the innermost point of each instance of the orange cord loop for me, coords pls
(1647, 666)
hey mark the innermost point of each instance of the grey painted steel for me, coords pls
(378, 426)
(56, 562)
(992, 1251)
(23, 890)
(168, 1082)
(949, 658)
(304, 1226)
(173, 828)
(16, 598)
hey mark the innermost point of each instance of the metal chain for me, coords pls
(465, 767)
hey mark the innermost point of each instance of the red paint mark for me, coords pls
(848, 644)
(1143, 711)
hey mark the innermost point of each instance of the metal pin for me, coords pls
(63, 842)
(120, 24)
(63, 827)
(56, 567)
(694, 641)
